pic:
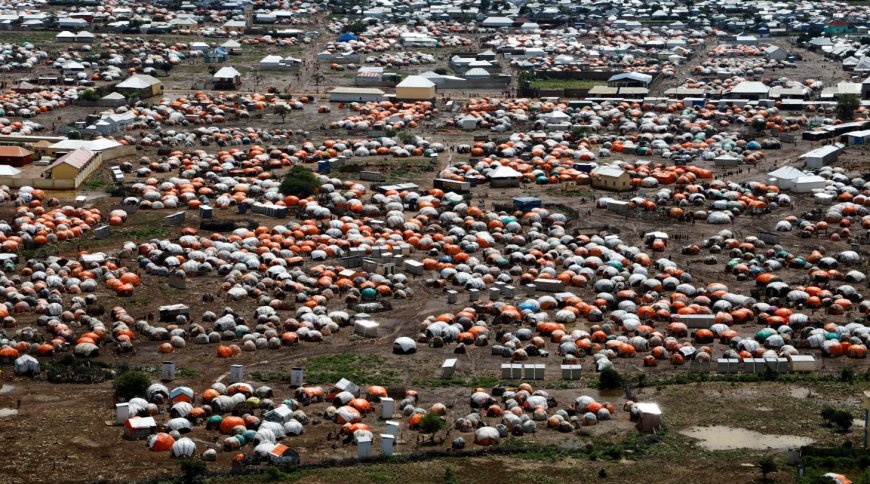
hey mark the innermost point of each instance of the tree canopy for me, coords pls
(299, 181)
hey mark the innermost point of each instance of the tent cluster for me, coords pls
(396, 115)
(33, 104)
(561, 50)
(40, 220)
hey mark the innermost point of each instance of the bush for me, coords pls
(847, 375)
(273, 474)
(610, 379)
(837, 418)
(89, 95)
(356, 27)
(449, 475)
(192, 470)
(767, 466)
(299, 181)
(131, 384)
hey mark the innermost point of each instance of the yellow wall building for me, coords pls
(416, 88)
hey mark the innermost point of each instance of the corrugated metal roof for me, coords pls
(77, 159)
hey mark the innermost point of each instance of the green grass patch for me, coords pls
(478, 381)
(846, 376)
(147, 232)
(855, 467)
(328, 369)
(633, 445)
(565, 83)
(96, 183)
(186, 373)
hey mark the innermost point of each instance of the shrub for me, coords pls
(847, 375)
(131, 384)
(406, 137)
(89, 95)
(837, 418)
(767, 466)
(609, 379)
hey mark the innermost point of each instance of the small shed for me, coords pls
(857, 137)
(823, 156)
(525, 204)
(232, 47)
(611, 178)
(113, 100)
(806, 184)
(629, 79)
(468, 122)
(172, 311)
(802, 364)
(650, 418)
(503, 177)
(227, 78)
(283, 456)
(143, 85)
(140, 427)
(726, 160)
(15, 156)
(366, 328)
(356, 94)
(784, 177)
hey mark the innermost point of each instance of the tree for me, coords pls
(356, 27)
(431, 424)
(846, 106)
(484, 5)
(282, 110)
(758, 124)
(299, 181)
(406, 137)
(131, 384)
(192, 470)
(609, 379)
(767, 466)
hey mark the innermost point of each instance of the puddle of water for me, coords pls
(719, 437)
(8, 412)
(799, 392)
(7, 388)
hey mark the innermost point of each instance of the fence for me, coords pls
(40, 183)
(833, 452)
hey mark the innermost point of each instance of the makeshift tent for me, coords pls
(26, 365)
(183, 448)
